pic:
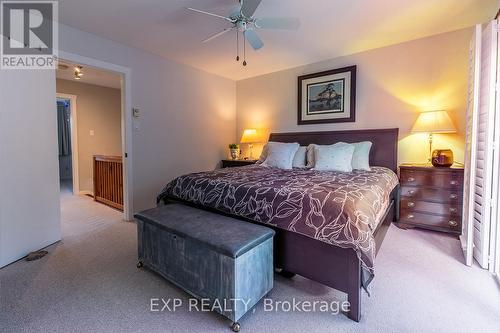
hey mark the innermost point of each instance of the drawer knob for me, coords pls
(453, 210)
(410, 216)
(412, 192)
(453, 196)
(411, 204)
(411, 179)
(452, 223)
(454, 182)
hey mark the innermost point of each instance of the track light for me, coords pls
(78, 72)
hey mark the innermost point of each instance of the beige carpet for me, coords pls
(89, 283)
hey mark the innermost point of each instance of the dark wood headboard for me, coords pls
(384, 150)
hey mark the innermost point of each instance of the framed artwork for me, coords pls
(327, 97)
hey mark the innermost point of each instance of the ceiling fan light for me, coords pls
(243, 20)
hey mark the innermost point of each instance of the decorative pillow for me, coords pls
(361, 156)
(337, 157)
(299, 160)
(280, 155)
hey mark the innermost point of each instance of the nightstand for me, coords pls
(431, 198)
(236, 163)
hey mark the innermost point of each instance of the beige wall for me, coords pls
(394, 84)
(99, 110)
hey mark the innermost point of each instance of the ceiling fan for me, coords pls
(242, 20)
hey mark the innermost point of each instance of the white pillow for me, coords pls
(299, 160)
(361, 156)
(337, 157)
(280, 155)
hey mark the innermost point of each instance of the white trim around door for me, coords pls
(126, 120)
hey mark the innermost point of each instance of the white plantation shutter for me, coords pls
(466, 239)
(483, 163)
(494, 263)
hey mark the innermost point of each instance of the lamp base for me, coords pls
(250, 147)
(429, 160)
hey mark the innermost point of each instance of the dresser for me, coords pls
(431, 198)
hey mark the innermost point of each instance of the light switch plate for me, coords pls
(136, 112)
(91, 132)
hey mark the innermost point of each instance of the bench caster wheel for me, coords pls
(236, 327)
(140, 264)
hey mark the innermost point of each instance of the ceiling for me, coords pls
(90, 75)
(330, 28)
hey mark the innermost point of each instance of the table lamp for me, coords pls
(250, 136)
(433, 122)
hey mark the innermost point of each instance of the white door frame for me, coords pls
(126, 122)
(74, 140)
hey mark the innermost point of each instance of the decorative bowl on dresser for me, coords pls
(236, 163)
(431, 198)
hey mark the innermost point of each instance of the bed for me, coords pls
(329, 225)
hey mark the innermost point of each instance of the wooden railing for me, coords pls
(108, 180)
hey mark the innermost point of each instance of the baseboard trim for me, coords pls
(86, 193)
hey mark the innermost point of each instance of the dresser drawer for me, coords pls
(446, 209)
(433, 194)
(451, 180)
(435, 222)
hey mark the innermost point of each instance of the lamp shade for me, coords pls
(434, 122)
(250, 135)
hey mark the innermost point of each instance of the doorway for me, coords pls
(67, 143)
(101, 125)
(126, 121)
(64, 145)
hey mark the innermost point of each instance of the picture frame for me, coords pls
(327, 97)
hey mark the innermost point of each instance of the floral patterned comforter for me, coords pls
(342, 209)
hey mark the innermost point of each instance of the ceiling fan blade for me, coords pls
(254, 40)
(248, 7)
(235, 12)
(217, 35)
(287, 23)
(211, 14)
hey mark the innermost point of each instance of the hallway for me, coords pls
(81, 215)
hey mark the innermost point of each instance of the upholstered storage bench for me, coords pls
(208, 255)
